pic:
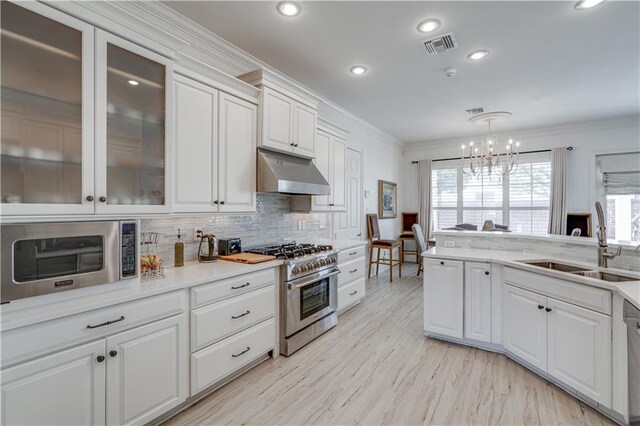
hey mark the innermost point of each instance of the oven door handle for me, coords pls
(313, 280)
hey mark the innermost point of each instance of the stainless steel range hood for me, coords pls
(289, 173)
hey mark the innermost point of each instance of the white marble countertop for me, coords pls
(342, 244)
(32, 310)
(630, 290)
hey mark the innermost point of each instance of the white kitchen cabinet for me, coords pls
(477, 301)
(237, 154)
(351, 281)
(277, 116)
(524, 325)
(304, 129)
(195, 181)
(44, 170)
(215, 134)
(580, 349)
(331, 160)
(444, 297)
(147, 371)
(66, 388)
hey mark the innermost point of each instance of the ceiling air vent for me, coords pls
(440, 44)
(475, 111)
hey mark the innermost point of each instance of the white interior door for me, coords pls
(66, 388)
(147, 373)
(348, 224)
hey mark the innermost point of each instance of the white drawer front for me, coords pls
(209, 293)
(350, 254)
(350, 294)
(24, 343)
(212, 323)
(583, 295)
(217, 361)
(351, 271)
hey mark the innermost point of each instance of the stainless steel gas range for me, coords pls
(308, 292)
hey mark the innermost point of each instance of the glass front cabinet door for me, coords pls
(47, 106)
(133, 90)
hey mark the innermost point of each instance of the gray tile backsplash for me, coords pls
(272, 222)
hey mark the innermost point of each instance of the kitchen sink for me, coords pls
(605, 276)
(562, 267)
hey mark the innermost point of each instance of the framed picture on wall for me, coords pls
(387, 199)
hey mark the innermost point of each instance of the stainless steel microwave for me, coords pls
(42, 258)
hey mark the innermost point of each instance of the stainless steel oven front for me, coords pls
(42, 258)
(309, 299)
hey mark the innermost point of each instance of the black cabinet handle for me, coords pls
(352, 253)
(100, 358)
(113, 353)
(241, 315)
(354, 293)
(548, 309)
(486, 272)
(106, 323)
(359, 235)
(241, 353)
(89, 197)
(240, 286)
(102, 199)
(540, 307)
(355, 270)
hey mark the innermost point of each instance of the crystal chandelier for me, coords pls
(486, 153)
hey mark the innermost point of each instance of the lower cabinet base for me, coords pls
(214, 387)
(492, 347)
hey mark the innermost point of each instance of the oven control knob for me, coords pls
(311, 266)
(295, 270)
(316, 264)
(302, 268)
(323, 262)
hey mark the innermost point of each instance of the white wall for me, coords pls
(588, 140)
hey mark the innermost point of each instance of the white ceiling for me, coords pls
(549, 64)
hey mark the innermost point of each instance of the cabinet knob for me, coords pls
(486, 272)
(292, 144)
(89, 198)
(221, 202)
(540, 307)
(113, 353)
(295, 144)
(548, 309)
(100, 358)
(102, 199)
(442, 263)
(216, 202)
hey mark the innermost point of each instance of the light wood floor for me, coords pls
(375, 367)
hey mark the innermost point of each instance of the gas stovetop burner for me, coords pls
(290, 250)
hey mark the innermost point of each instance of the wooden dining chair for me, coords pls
(421, 245)
(408, 220)
(375, 242)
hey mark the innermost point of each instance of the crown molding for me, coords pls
(540, 132)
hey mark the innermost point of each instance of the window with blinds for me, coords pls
(520, 200)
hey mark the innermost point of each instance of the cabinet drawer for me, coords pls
(24, 343)
(219, 320)
(209, 293)
(350, 254)
(351, 271)
(351, 293)
(583, 295)
(211, 364)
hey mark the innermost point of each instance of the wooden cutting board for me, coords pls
(250, 258)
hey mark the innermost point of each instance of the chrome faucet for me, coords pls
(604, 255)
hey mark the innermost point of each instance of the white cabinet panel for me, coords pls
(277, 120)
(443, 297)
(524, 325)
(237, 160)
(580, 349)
(338, 174)
(304, 129)
(196, 146)
(477, 301)
(323, 163)
(66, 388)
(350, 294)
(148, 371)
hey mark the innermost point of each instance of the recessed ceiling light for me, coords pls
(358, 70)
(133, 82)
(289, 8)
(477, 55)
(588, 4)
(428, 25)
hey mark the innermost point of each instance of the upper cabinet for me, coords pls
(84, 118)
(133, 89)
(47, 145)
(288, 117)
(215, 155)
(331, 160)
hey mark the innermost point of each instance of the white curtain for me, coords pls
(424, 198)
(557, 211)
